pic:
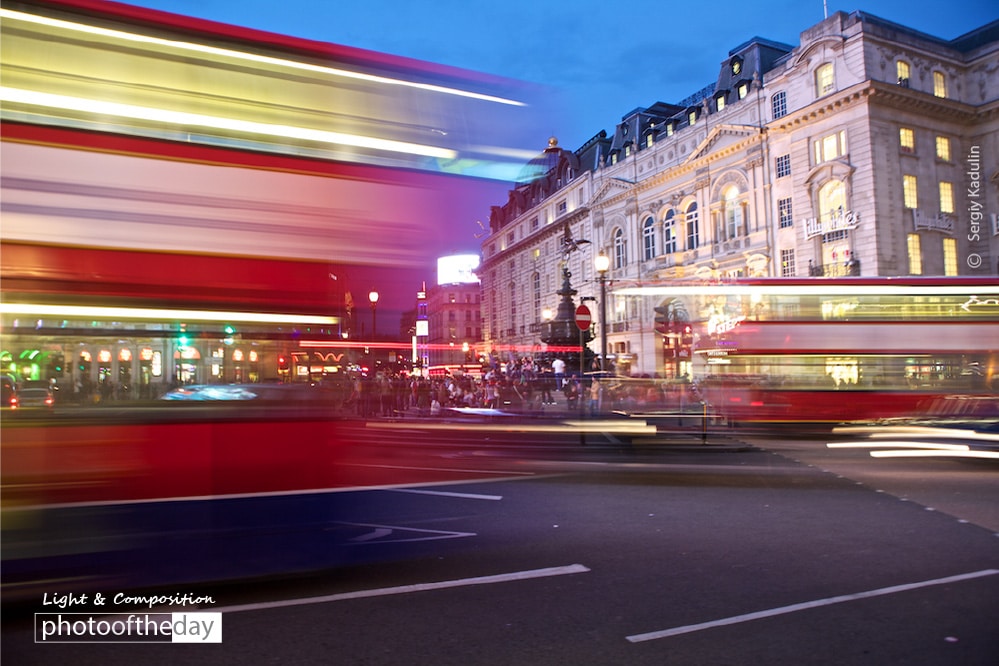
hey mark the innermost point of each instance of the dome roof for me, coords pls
(542, 164)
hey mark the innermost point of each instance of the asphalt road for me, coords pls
(784, 552)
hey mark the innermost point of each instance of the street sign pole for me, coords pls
(583, 321)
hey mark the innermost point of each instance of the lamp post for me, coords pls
(602, 263)
(373, 299)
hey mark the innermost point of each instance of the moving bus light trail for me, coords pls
(88, 312)
(212, 50)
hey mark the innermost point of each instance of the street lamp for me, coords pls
(602, 263)
(373, 299)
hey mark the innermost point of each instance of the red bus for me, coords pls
(185, 202)
(849, 349)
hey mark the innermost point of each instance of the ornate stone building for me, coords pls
(868, 149)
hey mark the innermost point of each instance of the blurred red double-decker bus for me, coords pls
(849, 349)
(183, 203)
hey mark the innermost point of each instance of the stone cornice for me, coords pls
(830, 104)
(896, 96)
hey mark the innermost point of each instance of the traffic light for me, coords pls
(282, 362)
(688, 337)
(184, 340)
(56, 363)
(230, 332)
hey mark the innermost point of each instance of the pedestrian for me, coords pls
(595, 395)
(558, 367)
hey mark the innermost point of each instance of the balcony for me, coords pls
(838, 269)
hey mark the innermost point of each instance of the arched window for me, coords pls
(779, 104)
(669, 232)
(693, 226)
(835, 245)
(832, 200)
(620, 250)
(649, 239)
(825, 79)
(732, 212)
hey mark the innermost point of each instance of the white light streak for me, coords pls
(806, 290)
(913, 453)
(254, 57)
(889, 444)
(133, 112)
(116, 313)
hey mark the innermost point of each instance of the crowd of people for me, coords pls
(523, 386)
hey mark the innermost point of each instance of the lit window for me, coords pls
(691, 117)
(832, 201)
(669, 232)
(950, 256)
(939, 84)
(946, 197)
(669, 128)
(693, 227)
(620, 250)
(830, 147)
(902, 70)
(784, 213)
(783, 166)
(720, 102)
(733, 212)
(909, 191)
(943, 148)
(649, 239)
(825, 81)
(743, 90)
(915, 255)
(906, 140)
(787, 263)
(649, 140)
(779, 104)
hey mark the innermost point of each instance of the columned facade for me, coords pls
(819, 159)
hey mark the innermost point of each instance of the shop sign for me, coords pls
(836, 221)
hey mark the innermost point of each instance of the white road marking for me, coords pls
(405, 589)
(676, 631)
(402, 534)
(447, 494)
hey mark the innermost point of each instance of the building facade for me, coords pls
(867, 149)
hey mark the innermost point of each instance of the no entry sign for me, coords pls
(583, 317)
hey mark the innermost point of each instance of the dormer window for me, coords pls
(736, 66)
(691, 117)
(825, 81)
(670, 128)
(742, 90)
(720, 101)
